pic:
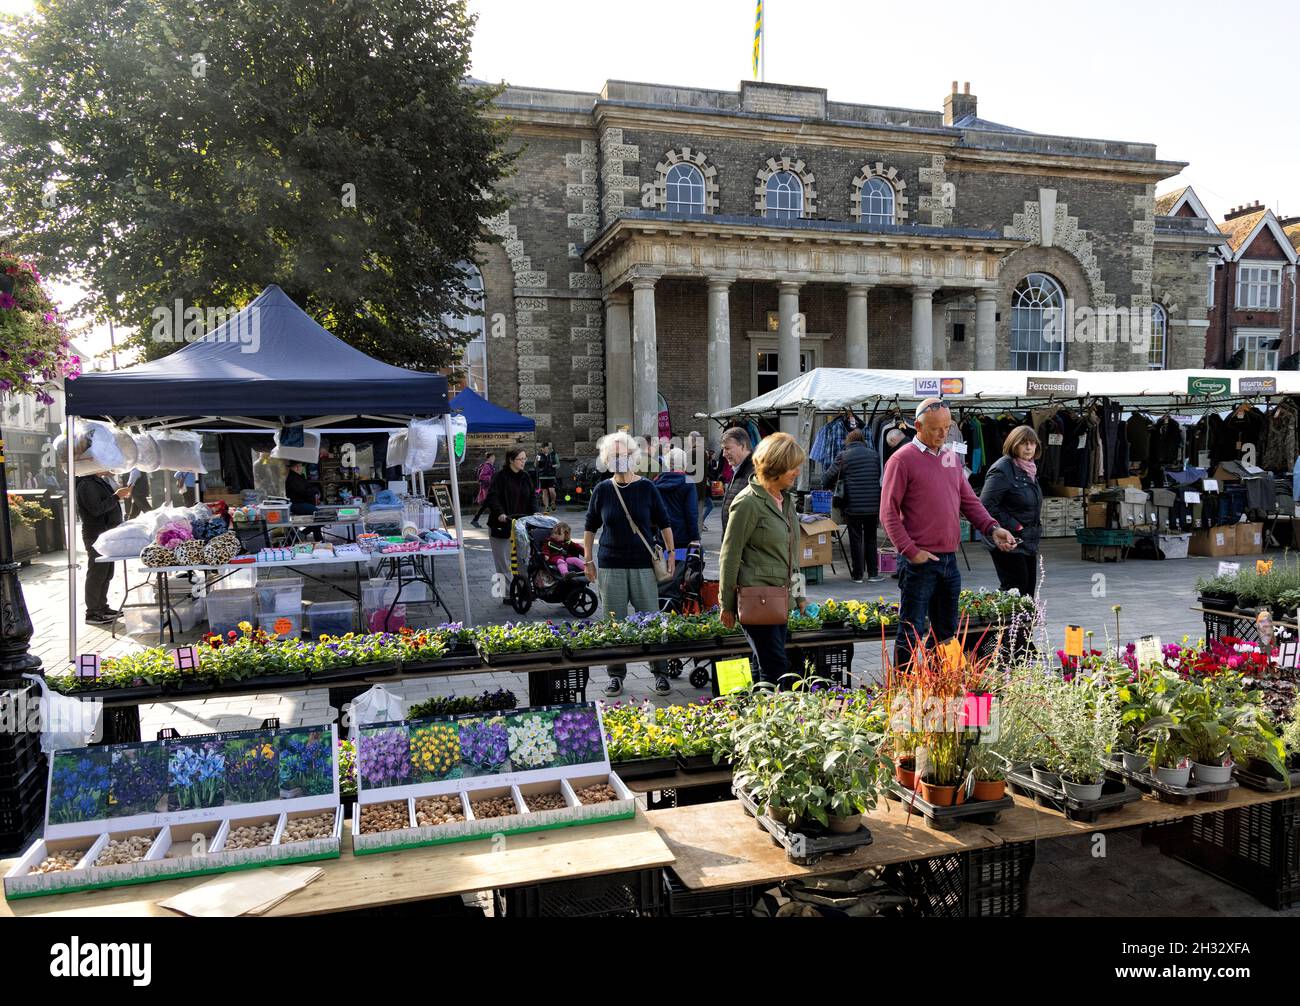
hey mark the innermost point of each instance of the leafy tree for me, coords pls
(158, 150)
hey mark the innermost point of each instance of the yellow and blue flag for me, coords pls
(758, 34)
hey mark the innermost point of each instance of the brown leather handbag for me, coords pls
(766, 605)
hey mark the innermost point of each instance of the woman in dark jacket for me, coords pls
(509, 496)
(859, 468)
(1012, 495)
(680, 498)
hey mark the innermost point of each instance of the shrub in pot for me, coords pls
(990, 783)
(1083, 727)
(1221, 723)
(1218, 592)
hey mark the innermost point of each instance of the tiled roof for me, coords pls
(1165, 203)
(1293, 232)
(1238, 228)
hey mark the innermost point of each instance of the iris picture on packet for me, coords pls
(196, 775)
(79, 785)
(306, 760)
(138, 781)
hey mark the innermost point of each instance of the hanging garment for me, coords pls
(1222, 441)
(1138, 433)
(1280, 442)
(1241, 430)
(829, 442)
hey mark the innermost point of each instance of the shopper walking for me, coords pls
(138, 482)
(1012, 495)
(736, 448)
(548, 470)
(760, 549)
(510, 496)
(857, 471)
(712, 473)
(99, 505)
(925, 492)
(485, 472)
(680, 500)
(626, 510)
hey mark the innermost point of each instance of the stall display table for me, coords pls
(354, 882)
(1239, 625)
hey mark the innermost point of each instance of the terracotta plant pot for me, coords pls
(905, 772)
(846, 825)
(941, 796)
(992, 789)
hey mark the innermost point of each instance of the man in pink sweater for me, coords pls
(924, 492)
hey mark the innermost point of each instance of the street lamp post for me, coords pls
(15, 622)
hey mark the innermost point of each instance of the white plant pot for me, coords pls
(1174, 776)
(1082, 791)
(1212, 773)
(1135, 762)
(1045, 778)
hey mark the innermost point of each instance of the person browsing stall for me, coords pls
(737, 450)
(925, 493)
(510, 496)
(1013, 496)
(681, 500)
(857, 470)
(99, 506)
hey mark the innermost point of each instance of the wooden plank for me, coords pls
(717, 845)
(679, 780)
(393, 878)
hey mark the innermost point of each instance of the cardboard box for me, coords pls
(1096, 515)
(1134, 515)
(1216, 541)
(1129, 481)
(1060, 490)
(1229, 471)
(1250, 539)
(816, 540)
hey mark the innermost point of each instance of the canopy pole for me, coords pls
(72, 539)
(455, 509)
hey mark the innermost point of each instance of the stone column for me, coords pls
(788, 345)
(719, 353)
(618, 360)
(856, 317)
(986, 330)
(922, 331)
(645, 360)
(939, 328)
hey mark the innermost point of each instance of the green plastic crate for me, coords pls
(1103, 536)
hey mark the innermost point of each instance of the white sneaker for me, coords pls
(857, 581)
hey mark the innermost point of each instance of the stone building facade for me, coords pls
(704, 246)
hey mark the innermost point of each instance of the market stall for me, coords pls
(271, 368)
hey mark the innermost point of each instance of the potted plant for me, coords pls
(1084, 723)
(638, 744)
(854, 769)
(1220, 723)
(990, 780)
(941, 768)
(1217, 592)
(608, 638)
(1134, 713)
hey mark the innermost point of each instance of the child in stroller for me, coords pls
(534, 579)
(561, 552)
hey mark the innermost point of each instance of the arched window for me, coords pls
(877, 202)
(784, 196)
(1158, 347)
(474, 361)
(684, 185)
(1038, 324)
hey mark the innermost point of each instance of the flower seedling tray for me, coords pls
(1210, 792)
(378, 669)
(452, 660)
(818, 637)
(700, 763)
(606, 654)
(1267, 783)
(803, 848)
(1114, 794)
(646, 768)
(514, 658)
(984, 812)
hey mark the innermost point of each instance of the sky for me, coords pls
(1208, 83)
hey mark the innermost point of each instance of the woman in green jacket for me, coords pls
(760, 548)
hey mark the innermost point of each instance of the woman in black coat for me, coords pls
(1012, 495)
(510, 495)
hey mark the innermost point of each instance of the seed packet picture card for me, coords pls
(577, 737)
(383, 757)
(196, 775)
(532, 741)
(79, 785)
(138, 781)
(252, 770)
(484, 746)
(435, 751)
(306, 763)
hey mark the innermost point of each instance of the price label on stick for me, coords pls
(1210, 485)
(1074, 640)
(1148, 651)
(1191, 497)
(87, 665)
(1263, 566)
(734, 675)
(1229, 568)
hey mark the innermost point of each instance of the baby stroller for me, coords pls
(688, 593)
(533, 580)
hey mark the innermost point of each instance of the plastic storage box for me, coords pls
(332, 618)
(227, 608)
(286, 625)
(186, 615)
(386, 619)
(282, 595)
(379, 593)
(820, 501)
(239, 579)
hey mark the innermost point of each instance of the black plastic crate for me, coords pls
(22, 808)
(688, 796)
(833, 662)
(618, 895)
(549, 688)
(18, 745)
(1255, 848)
(981, 883)
(681, 901)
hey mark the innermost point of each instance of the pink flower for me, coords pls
(7, 300)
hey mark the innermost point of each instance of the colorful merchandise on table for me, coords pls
(156, 556)
(274, 554)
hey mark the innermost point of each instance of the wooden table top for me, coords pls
(717, 845)
(391, 878)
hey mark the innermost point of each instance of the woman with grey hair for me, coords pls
(626, 510)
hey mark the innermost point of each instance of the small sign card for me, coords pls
(1148, 651)
(1191, 497)
(1211, 485)
(734, 675)
(1229, 568)
(1055, 439)
(1074, 640)
(87, 665)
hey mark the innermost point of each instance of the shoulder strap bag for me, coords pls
(657, 559)
(767, 605)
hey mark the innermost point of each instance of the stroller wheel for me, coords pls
(582, 603)
(700, 677)
(521, 595)
(675, 666)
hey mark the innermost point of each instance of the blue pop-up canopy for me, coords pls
(271, 359)
(482, 416)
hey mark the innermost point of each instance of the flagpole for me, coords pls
(762, 48)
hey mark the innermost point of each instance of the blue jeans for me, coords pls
(928, 601)
(767, 642)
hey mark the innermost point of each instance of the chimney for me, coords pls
(1243, 210)
(957, 106)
